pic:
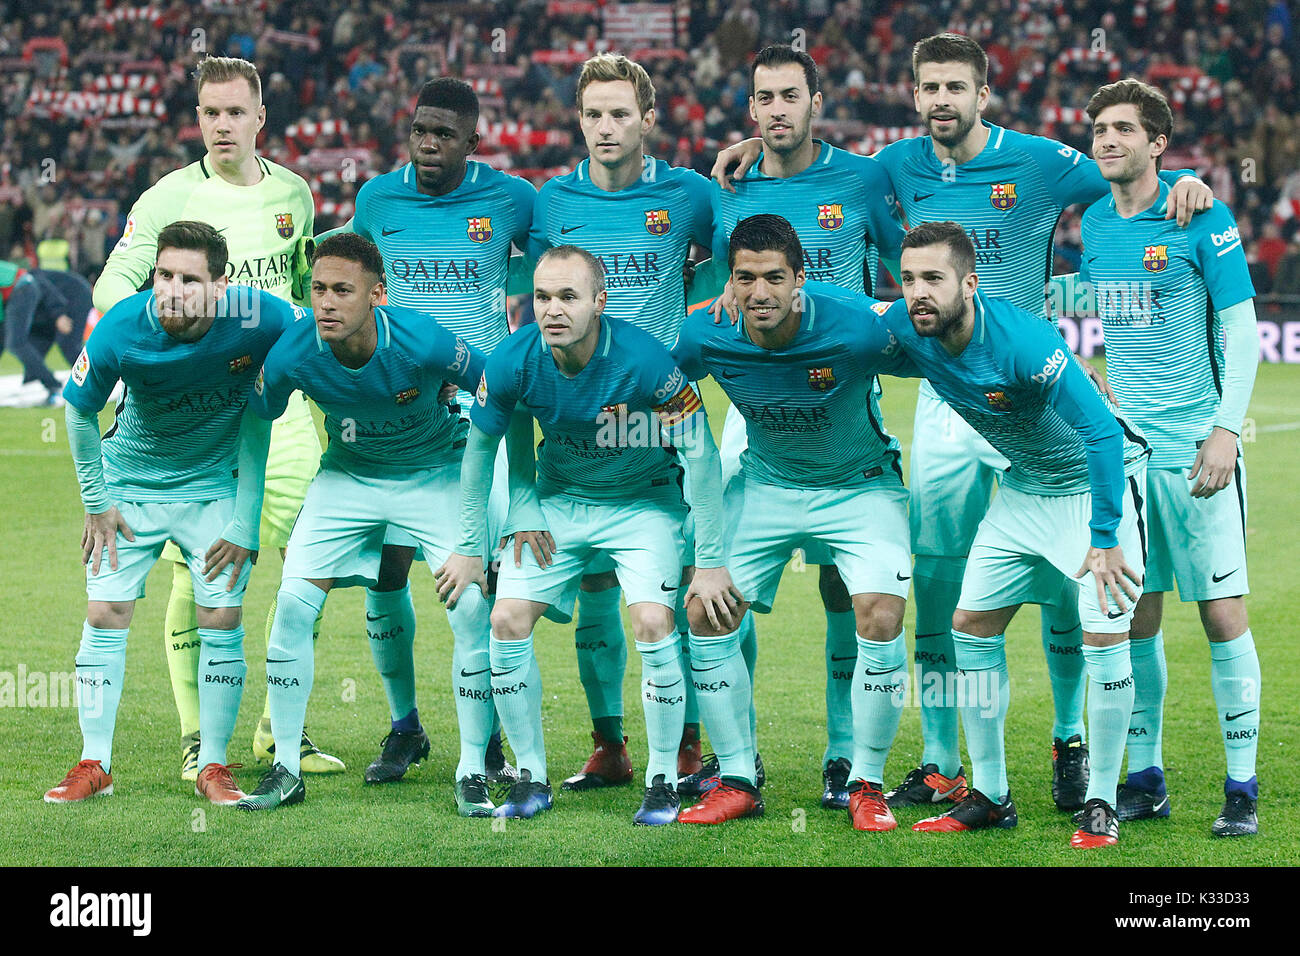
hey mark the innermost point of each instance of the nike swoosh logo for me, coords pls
(665, 587)
(651, 683)
(586, 627)
(851, 657)
(1068, 630)
(1142, 711)
(465, 673)
(1242, 714)
(285, 793)
(1216, 578)
(504, 673)
(565, 230)
(287, 660)
(1161, 805)
(701, 670)
(903, 577)
(871, 673)
(377, 617)
(732, 374)
(1115, 614)
(391, 232)
(921, 637)
(219, 663)
(188, 630)
(917, 197)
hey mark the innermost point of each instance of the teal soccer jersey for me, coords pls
(642, 235)
(1156, 288)
(1018, 386)
(1008, 199)
(176, 433)
(383, 419)
(841, 207)
(601, 427)
(811, 415)
(448, 255)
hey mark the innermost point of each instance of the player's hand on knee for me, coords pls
(541, 542)
(1216, 462)
(742, 155)
(221, 554)
(718, 595)
(457, 573)
(1112, 576)
(100, 533)
(1097, 379)
(725, 303)
(1188, 197)
(447, 394)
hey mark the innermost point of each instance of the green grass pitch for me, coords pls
(153, 818)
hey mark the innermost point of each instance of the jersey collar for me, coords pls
(223, 310)
(470, 179)
(582, 175)
(1156, 210)
(994, 143)
(807, 316)
(823, 158)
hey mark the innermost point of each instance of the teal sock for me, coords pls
(1062, 644)
(390, 626)
(663, 699)
(471, 679)
(983, 694)
(841, 653)
(1150, 679)
(721, 680)
(291, 665)
(749, 652)
(221, 687)
(691, 715)
(101, 666)
(602, 657)
(517, 687)
(1234, 676)
(1110, 705)
(937, 586)
(879, 690)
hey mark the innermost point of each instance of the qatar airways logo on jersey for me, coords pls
(435, 275)
(988, 245)
(206, 402)
(785, 419)
(261, 272)
(630, 270)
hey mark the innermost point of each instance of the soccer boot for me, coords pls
(1069, 773)
(973, 812)
(760, 772)
(277, 788)
(472, 796)
(867, 808)
(190, 758)
(1237, 818)
(526, 799)
(1143, 796)
(659, 806)
(498, 771)
(86, 779)
(1098, 825)
(729, 800)
(925, 785)
(401, 750)
(608, 766)
(217, 783)
(689, 756)
(702, 780)
(310, 757)
(835, 784)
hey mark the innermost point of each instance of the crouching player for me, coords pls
(1074, 493)
(185, 460)
(608, 485)
(819, 467)
(393, 459)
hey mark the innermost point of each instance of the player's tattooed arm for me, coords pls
(742, 155)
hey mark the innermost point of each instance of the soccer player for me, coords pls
(639, 217)
(1008, 190)
(1181, 350)
(184, 460)
(600, 389)
(841, 207)
(265, 213)
(1070, 509)
(39, 307)
(393, 458)
(444, 226)
(798, 367)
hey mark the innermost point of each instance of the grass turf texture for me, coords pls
(154, 818)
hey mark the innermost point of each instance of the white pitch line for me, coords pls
(1280, 427)
(33, 453)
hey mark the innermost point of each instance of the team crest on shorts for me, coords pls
(998, 401)
(821, 379)
(657, 222)
(1155, 258)
(406, 396)
(830, 215)
(284, 224)
(1003, 196)
(237, 365)
(479, 228)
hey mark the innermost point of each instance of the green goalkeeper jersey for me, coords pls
(266, 225)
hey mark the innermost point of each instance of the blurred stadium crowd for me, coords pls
(97, 103)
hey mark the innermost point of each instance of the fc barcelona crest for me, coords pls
(238, 365)
(998, 401)
(1155, 258)
(821, 379)
(406, 396)
(1003, 196)
(479, 228)
(657, 222)
(830, 215)
(284, 224)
